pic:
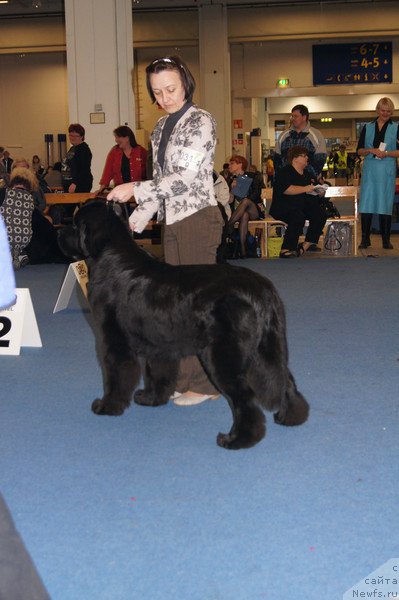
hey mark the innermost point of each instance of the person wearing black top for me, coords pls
(76, 166)
(294, 203)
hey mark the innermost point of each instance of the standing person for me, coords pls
(76, 166)
(181, 192)
(301, 133)
(379, 145)
(269, 168)
(341, 162)
(125, 162)
(76, 173)
(7, 161)
(3, 169)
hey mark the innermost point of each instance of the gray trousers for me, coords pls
(194, 241)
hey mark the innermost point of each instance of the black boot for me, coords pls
(366, 227)
(385, 229)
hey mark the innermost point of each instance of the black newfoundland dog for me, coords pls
(153, 313)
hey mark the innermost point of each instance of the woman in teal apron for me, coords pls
(379, 144)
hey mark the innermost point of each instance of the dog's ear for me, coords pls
(93, 225)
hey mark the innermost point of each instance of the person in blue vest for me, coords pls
(379, 145)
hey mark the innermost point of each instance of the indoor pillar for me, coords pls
(100, 63)
(215, 75)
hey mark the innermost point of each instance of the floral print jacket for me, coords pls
(185, 184)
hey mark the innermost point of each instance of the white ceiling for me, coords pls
(31, 8)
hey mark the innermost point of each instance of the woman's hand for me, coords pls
(379, 153)
(309, 188)
(72, 188)
(132, 224)
(122, 193)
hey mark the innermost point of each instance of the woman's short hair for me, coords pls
(125, 131)
(24, 177)
(77, 128)
(296, 151)
(171, 63)
(241, 160)
(385, 102)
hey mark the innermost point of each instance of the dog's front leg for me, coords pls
(120, 379)
(159, 381)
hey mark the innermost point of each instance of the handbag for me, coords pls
(338, 239)
(331, 210)
(242, 185)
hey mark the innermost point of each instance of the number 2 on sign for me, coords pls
(5, 328)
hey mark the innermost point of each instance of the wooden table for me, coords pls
(65, 198)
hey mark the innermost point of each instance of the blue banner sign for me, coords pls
(369, 62)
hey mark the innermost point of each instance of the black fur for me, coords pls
(230, 317)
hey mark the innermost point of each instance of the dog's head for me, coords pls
(94, 227)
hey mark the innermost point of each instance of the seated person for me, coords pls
(37, 192)
(16, 208)
(31, 236)
(293, 203)
(250, 207)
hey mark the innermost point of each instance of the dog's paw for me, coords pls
(100, 407)
(145, 398)
(237, 441)
(228, 441)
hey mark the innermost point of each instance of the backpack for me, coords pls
(338, 239)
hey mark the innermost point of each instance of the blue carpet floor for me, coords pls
(147, 507)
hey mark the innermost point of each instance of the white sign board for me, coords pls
(18, 325)
(77, 272)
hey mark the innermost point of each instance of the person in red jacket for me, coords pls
(125, 162)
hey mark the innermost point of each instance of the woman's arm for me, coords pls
(108, 170)
(194, 150)
(295, 190)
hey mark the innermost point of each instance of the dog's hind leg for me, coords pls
(160, 376)
(294, 408)
(227, 370)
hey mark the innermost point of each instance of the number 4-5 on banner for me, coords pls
(18, 325)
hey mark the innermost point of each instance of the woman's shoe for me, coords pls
(365, 243)
(313, 248)
(288, 254)
(192, 398)
(301, 250)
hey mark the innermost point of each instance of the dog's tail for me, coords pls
(274, 385)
